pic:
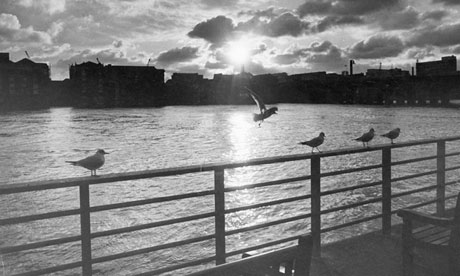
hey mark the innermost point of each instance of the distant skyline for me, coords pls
(218, 36)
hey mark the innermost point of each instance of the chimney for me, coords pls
(351, 66)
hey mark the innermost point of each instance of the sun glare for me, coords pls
(238, 52)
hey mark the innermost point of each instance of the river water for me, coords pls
(35, 145)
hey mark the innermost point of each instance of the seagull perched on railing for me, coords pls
(366, 137)
(392, 134)
(92, 162)
(315, 142)
(264, 112)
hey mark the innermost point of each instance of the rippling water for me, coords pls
(35, 145)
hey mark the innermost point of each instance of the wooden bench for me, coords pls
(434, 234)
(294, 260)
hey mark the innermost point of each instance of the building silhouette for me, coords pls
(23, 84)
(98, 85)
(444, 67)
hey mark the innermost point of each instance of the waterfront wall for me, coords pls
(94, 85)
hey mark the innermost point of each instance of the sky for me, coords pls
(222, 36)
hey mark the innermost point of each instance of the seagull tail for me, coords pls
(72, 162)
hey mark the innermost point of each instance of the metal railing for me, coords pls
(220, 211)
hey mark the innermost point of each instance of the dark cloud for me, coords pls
(447, 2)
(420, 53)
(321, 56)
(286, 59)
(399, 20)
(219, 3)
(215, 65)
(344, 7)
(285, 24)
(444, 35)
(117, 43)
(379, 46)
(331, 21)
(435, 15)
(177, 55)
(216, 30)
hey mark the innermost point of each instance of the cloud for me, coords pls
(331, 21)
(286, 59)
(447, 2)
(285, 24)
(399, 20)
(219, 3)
(321, 56)
(444, 35)
(378, 46)
(216, 30)
(344, 7)
(435, 15)
(177, 55)
(11, 31)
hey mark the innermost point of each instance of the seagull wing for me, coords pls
(257, 99)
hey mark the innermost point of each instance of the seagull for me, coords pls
(393, 134)
(92, 162)
(315, 142)
(264, 112)
(366, 137)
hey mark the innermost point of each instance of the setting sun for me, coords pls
(238, 52)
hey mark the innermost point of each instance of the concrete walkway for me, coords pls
(372, 254)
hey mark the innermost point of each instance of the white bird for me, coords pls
(392, 134)
(264, 112)
(315, 142)
(366, 137)
(92, 162)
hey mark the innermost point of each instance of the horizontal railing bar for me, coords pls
(269, 183)
(343, 225)
(267, 224)
(417, 205)
(40, 244)
(351, 188)
(414, 160)
(406, 177)
(49, 270)
(178, 266)
(451, 183)
(352, 205)
(256, 247)
(452, 168)
(30, 218)
(149, 201)
(125, 176)
(455, 153)
(268, 203)
(427, 188)
(151, 249)
(351, 170)
(150, 225)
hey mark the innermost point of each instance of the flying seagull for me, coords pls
(315, 142)
(366, 137)
(92, 162)
(392, 134)
(264, 112)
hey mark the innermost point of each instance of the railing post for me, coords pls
(441, 178)
(219, 201)
(316, 204)
(85, 224)
(386, 190)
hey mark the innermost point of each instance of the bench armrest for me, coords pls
(425, 218)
